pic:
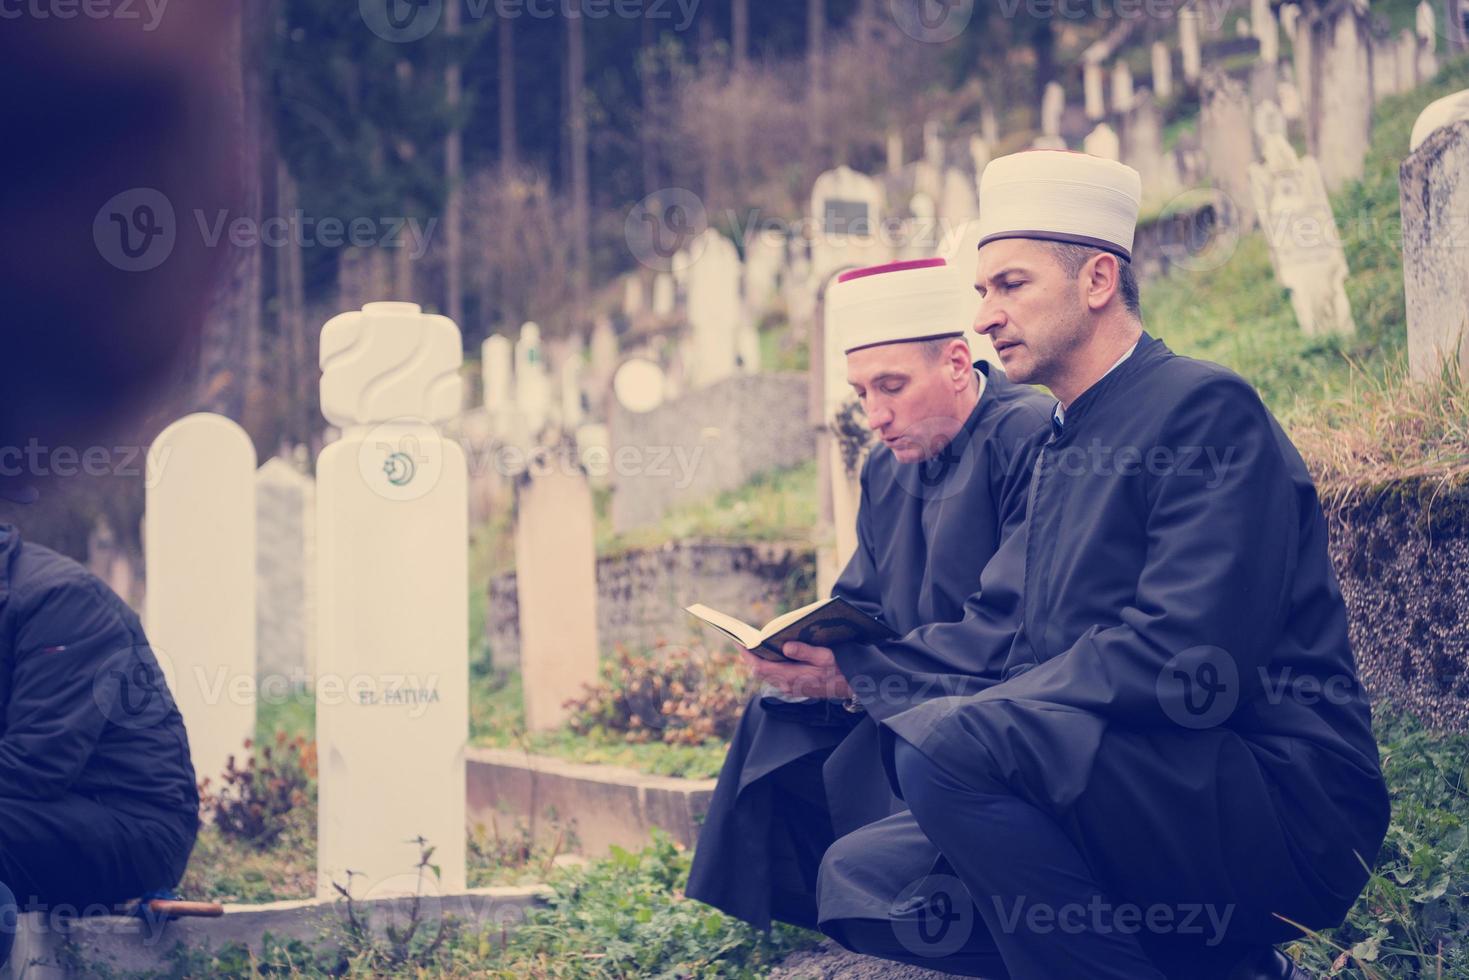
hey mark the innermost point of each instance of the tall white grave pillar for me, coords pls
(556, 587)
(1188, 43)
(199, 548)
(392, 708)
(714, 306)
(1162, 71)
(846, 221)
(495, 359)
(532, 383)
(1091, 84)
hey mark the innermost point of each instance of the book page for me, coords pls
(743, 633)
(785, 619)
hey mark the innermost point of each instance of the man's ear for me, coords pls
(958, 358)
(1102, 278)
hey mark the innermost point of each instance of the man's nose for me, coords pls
(988, 318)
(878, 416)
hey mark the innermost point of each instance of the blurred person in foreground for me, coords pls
(1175, 767)
(109, 118)
(938, 493)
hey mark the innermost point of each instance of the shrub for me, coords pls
(675, 695)
(255, 800)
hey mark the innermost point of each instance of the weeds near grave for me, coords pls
(499, 856)
(409, 944)
(673, 694)
(254, 801)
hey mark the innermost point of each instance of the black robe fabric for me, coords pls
(1181, 693)
(925, 531)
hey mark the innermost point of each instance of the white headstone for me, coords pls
(1341, 125)
(496, 357)
(933, 144)
(1305, 247)
(199, 549)
(1407, 60)
(1122, 89)
(571, 410)
(1289, 16)
(1053, 103)
(960, 202)
(1289, 93)
(1438, 114)
(1224, 131)
(285, 526)
(1434, 196)
(989, 124)
(1384, 56)
(1162, 71)
(895, 150)
(979, 157)
(1091, 82)
(764, 256)
(1143, 149)
(632, 296)
(1426, 23)
(556, 587)
(1188, 43)
(1266, 30)
(532, 382)
(664, 299)
(714, 307)
(846, 485)
(846, 220)
(1102, 142)
(392, 710)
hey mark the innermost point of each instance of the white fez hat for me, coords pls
(1060, 196)
(919, 299)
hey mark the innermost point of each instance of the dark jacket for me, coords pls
(84, 708)
(1182, 637)
(925, 531)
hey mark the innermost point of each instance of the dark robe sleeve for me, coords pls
(964, 656)
(1215, 586)
(860, 581)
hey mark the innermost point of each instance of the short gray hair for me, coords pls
(934, 347)
(1073, 257)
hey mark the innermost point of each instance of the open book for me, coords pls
(823, 623)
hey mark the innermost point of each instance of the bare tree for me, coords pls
(580, 178)
(453, 160)
(509, 141)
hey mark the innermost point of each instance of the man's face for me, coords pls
(1030, 308)
(909, 396)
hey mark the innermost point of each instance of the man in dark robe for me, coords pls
(937, 495)
(1175, 767)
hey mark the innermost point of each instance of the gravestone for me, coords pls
(285, 581)
(1384, 56)
(532, 382)
(979, 157)
(1289, 93)
(1091, 77)
(1407, 61)
(1339, 108)
(556, 586)
(1426, 23)
(603, 361)
(895, 151)
(1122, 88)
(1266, 30)
(989, 124)
(1162, 71)
(1053, 103)
(199, 611)
(664, 299)
(639, 385)
(959, 203)
(933, 144)
(1142, 141)
(846, 219)
(764, 257)
(1305, 246)
(392, 706)
(1433, 187)
(1438, 114)
(1242, 27)
(496, 356)
(1224, 132)
(1102, 142)
(923, 232)
(632, 296)
(571, 396)
(1188, 43)
(714, 307)
(960, 248)
(843, 476)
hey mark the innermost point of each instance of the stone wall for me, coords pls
(1402, 556)
(710, 440)
(641, 594)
